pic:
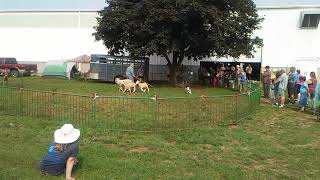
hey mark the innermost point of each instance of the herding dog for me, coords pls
(188, 90)
(143, 86)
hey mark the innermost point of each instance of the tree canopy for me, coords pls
(183, 28)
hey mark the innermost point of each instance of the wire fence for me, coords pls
(129, 113)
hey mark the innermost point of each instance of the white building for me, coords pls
(290, 34)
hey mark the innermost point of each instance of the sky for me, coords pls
(99, 4)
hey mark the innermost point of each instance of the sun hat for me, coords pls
(67, 134)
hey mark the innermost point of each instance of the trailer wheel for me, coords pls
(118, 77)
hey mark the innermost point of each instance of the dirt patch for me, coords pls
(171, 143)
(265, 101)
(139, 150)
(207, 147)
(112, 146)
(233, 126)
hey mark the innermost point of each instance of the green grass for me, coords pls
(271, 144)
(108, 89)
(137, 111)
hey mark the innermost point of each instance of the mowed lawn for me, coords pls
(271, 144)
(108, 88)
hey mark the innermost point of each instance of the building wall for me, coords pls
(46, 36)
(285, 43)
(58, 35)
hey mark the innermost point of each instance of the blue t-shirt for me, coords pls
(294, 77)
(303, 88)
(129, 73)
(243, 78)
(54, 163)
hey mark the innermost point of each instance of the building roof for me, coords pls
(96, 5)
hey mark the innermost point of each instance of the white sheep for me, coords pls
(128, 86)
(122, 82)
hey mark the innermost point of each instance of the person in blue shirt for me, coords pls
(304, 93)
(62, 153)
(243, 81)
(130, 72)
(316, 100)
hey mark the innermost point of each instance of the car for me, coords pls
(15, 69)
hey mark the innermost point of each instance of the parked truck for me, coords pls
(14, 69)
(108, 68)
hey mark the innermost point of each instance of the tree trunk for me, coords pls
(173, 67)
(173, 75)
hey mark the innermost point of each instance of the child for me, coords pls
(303, 94)
(274, 92)
(62, 153)
(243, 80)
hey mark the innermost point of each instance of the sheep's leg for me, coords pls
(125, 90)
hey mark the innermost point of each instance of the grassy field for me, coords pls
(108, 89)
(271, 144)
(137, 111)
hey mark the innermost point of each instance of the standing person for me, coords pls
(227, 77)
(238, 75)
(249, 72)
(316, 100)
(222, 74)
(274, 92)
(312, 84)
(297, 86)
(266, 79)
(292, 81)
(243, 80)
(140, 72)
(233, 76)
(283, 83)
(62, 153)
(274, 89)
(304, 91)
(130, 72)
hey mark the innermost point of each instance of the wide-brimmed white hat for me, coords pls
(67, 134)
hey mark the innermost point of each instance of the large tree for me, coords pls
(178, 29)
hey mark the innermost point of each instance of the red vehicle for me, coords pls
(14, 69)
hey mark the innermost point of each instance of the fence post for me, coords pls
(94, 107)
(20, 102)
(237, 108)
(53, 108)
(155, 98)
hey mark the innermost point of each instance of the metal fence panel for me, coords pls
(129, 113)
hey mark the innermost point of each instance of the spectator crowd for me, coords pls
(301, 90)
(235, 77)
